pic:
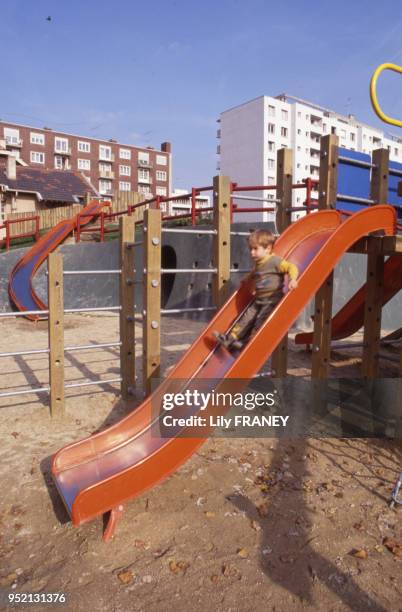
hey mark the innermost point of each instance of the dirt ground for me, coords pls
(245, 525)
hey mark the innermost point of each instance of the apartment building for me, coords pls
(251, 134)
(109, 165)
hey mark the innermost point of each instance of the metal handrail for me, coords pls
(373, 92)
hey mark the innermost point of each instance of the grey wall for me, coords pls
(179, 290)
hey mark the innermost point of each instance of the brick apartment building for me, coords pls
(109, 165)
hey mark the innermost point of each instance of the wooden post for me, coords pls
(284, 179)
(56, 334)
(379, 176)
(328, 184)
(375, 272)
(221, 252)
(127, 302)
(151, 296)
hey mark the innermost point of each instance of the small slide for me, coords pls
(20, 287)
(101, 473)
(350, 318)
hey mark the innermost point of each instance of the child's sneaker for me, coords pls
(221, 339)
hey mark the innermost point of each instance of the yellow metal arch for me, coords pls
(373, 93)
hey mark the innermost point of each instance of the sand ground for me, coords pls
(245, 525)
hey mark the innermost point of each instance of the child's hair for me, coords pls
(264, 238)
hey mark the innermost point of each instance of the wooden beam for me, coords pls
(152, 297)
(284, 179)
(56, 334)
(127, 302)
(372, 310)
(221, 251)
(328, 184)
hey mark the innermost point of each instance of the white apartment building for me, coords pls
(251, 134)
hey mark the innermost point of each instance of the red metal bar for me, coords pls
(241, 210)
(37, 227)
(8, 237)
(102, 227)
(199, 189)
(254, 187)
(193, 204)
(78, 234)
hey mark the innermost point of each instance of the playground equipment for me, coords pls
(20, 289)
(395, 499)
(101, 473)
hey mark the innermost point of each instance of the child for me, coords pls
(268, 278)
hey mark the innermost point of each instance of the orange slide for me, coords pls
(350, 318)
(20, 289)
(106, 470)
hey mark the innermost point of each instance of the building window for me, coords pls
(84, 147)
(143, 157)
(271, 128)
(271, 164)
(299, 132)
(144, 189)
(125, 154)
(12, 136)
(124, 186)
(37, 139)
(105, 187)
(299, 115)
(352, 137)
(58, 162)
(333, 130)
(160, 191)
(299, 148)
(271, 146)
(161, 160)
(37, 157)
(61, 145)
(343, 133)
(324, 127)
(84, 164)
(161, 175)
(125, 170)
(284, 115)
(298, 165)
(105, 153)
(143, 175)
(284, 146)
(271, 111)
(271, 180)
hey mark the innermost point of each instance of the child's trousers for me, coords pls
(252, 319)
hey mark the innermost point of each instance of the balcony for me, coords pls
(144, 164)
(13, 141)
(107, 174)
(64, 151)
(106, 157)
(218, 133)
(145, 180)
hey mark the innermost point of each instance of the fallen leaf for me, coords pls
(243, 553)
(256, 526)
(361, 553)
(178, 567)
(393, 546)
(15, 434)
(209, 514)
(214, 579)
(263, 509)
(230, 571)
(125, 577)
(141, 544)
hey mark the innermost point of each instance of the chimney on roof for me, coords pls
(166, 147)
(11, 167)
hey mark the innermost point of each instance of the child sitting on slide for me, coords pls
(268, 280)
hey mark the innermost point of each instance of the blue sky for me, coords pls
(145, 72)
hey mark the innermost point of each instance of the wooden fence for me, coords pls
(52, 216)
